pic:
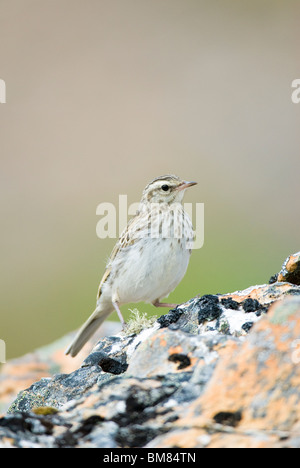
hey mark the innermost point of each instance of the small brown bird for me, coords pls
(150, 258)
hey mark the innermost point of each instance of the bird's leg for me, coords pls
(164, 304)
(117, 309)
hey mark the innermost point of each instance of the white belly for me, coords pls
(149, 270)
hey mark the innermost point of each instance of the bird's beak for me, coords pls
(184, 185)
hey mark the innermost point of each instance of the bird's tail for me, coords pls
(89, 328)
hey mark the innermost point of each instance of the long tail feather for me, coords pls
(88, 329)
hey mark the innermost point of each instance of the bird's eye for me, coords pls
(165, 187)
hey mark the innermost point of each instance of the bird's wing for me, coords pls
(131, 234)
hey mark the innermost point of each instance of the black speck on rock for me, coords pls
(247, 326)
(229, 303)
(171, 317)
(228, 418)
(116, 365)
(251, 305)
(113, 366)
(137, 435)
(17, 423)
(273, 279)
(27, 423)
(183, 360)
(209, 308)
(66, 440)
(88, 425)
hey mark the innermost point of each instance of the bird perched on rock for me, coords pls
(150, 258)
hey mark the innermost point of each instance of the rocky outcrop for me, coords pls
(290, 270)
(217, 371)
(46, 361)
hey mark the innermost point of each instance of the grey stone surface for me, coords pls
(130, 390)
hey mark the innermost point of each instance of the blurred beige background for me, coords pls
(102, 96)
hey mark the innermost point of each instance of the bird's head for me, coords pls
(165, 189)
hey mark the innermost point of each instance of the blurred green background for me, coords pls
(103, 96)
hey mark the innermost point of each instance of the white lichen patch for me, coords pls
(236, 319)
(137, 322)
(230, 322)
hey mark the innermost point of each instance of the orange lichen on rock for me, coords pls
(258, 379)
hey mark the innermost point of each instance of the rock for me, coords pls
(20, 373)
(290, 270)
(217, 371)
(253, 396)
(229, 314)
(101, 364)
